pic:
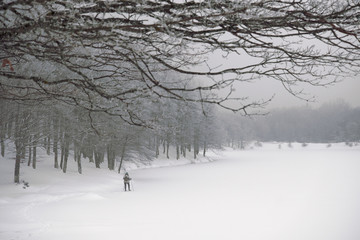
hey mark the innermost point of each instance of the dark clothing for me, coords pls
(128, 186)
(127, 180)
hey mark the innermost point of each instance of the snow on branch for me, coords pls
(112, 56)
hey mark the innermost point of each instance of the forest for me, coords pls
(107, 79)
(102, 138)
(107, 141)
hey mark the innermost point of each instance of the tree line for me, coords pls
(106, 140)
(101, 138)
(331, 122)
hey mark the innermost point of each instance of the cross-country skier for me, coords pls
(127, 180)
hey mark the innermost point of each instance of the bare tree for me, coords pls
(110, 56)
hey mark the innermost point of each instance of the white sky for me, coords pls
(348, 89)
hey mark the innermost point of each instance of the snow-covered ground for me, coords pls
(264, 193)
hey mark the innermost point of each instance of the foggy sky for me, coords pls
(347, 89)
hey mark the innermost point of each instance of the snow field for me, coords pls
(264, 193)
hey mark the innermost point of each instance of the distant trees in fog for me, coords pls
(332, 122)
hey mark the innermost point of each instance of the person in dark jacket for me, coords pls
(127, 180)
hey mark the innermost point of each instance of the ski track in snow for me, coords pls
(266, 193)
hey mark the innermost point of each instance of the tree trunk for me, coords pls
(164, 148)
(204, 152)
(62, 154)
(34, 157)
(56, 161)
(29, 160)
(177, 151)
(99, 157)
(23, 150)
(123, 153)
(167, 149)
(91, 156)
(2, 138)
(66, 157)
(55, 149)
(56, 141)
(157, 146)
(111, 156)
(78, 160)
(196, 146)
(2, 143)
(17, 165)
(34, 152)
(48, 145)
(18, 145)
(66, 151)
